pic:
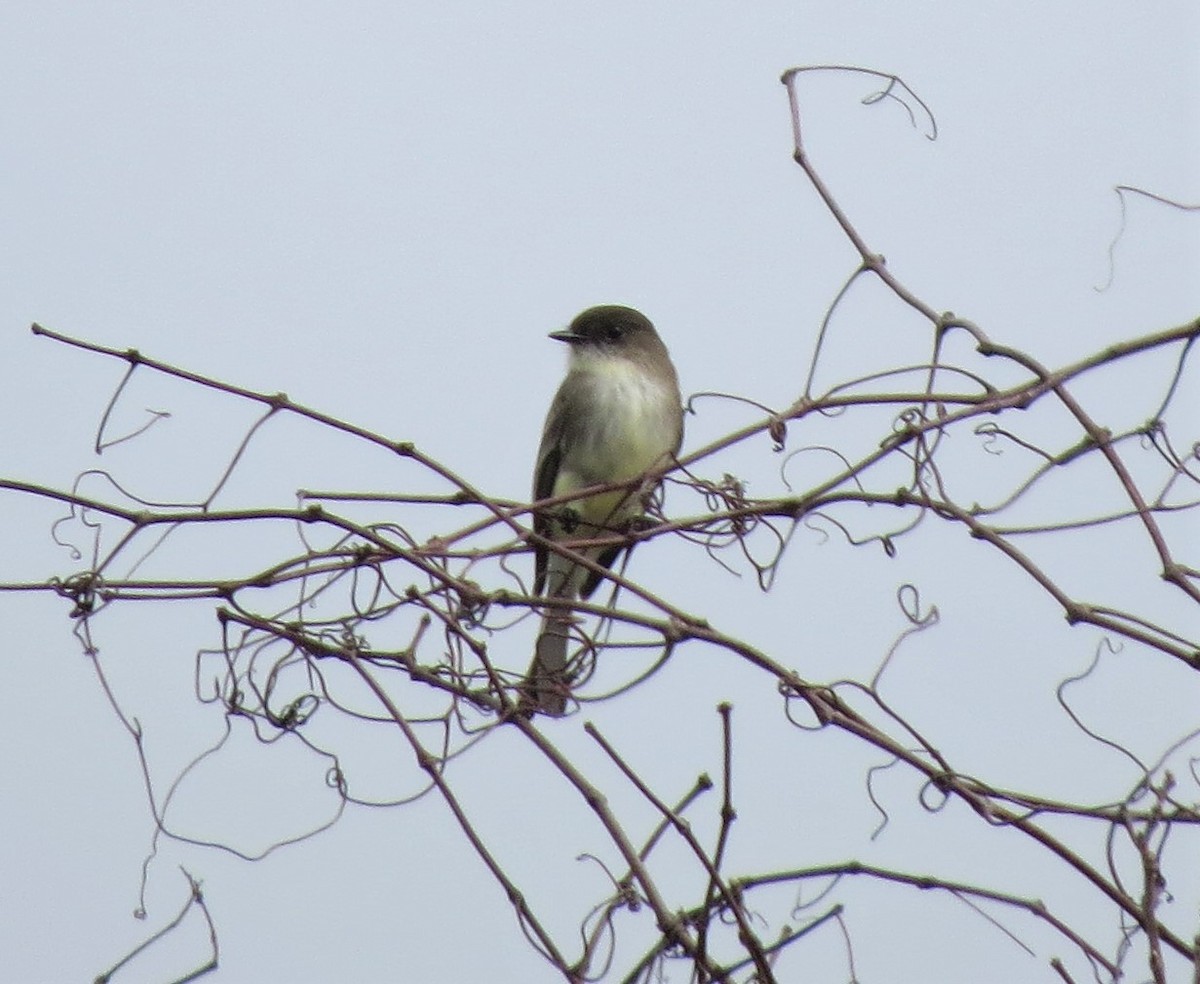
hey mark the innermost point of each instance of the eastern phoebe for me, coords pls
(616, 415)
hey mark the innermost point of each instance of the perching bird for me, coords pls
(616, 415)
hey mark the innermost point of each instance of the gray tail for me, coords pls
(548, 683)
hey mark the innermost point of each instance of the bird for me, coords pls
(617, 414)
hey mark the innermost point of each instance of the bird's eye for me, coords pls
(613, 332)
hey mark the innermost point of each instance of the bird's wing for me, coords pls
(543, 487)
(545, 475)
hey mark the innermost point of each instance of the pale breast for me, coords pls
(638, 425)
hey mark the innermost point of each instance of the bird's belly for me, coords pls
(637, 428)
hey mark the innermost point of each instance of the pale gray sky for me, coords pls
(381, 209)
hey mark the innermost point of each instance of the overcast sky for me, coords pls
(382, 209)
